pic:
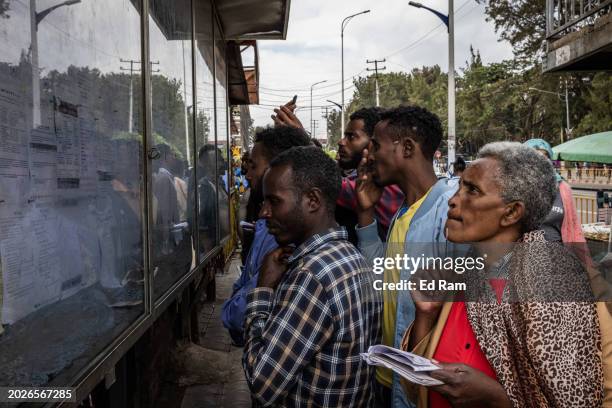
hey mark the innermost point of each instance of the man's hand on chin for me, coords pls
(274, 267)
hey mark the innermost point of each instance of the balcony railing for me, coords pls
(563, 14)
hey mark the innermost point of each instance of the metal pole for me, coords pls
(35, 19)
(377, 92)
(451, 83)
(311, 88)
(567, 109)
(342, 27)
(131, 103)
(186, 110)
(36, 121)
(342, 102)
(375, 62)
(311, 109)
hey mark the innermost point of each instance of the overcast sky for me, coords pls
(407, 37)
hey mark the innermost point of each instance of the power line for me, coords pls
(332, 84)
(420, 39)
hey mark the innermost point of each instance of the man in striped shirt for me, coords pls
(314, 309)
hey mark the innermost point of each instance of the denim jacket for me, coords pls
(425, 237)
(234, 308)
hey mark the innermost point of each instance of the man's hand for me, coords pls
(284, 116)
(465, 386)
(274, 267)
(368, 193)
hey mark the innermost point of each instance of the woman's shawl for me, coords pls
(543, 338)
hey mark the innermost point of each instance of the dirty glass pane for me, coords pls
(205, 168)
(71, 247)
(170, 36)
(224, 179)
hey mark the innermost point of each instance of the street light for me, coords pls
(449, 21)
(311, 87)
(43, 14)
(561, 96)
(35, 19)
(343, 26)
(335, 103)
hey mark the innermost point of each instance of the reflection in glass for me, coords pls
(223, 176)
(205, 169)
(71, 245)
(172, 117)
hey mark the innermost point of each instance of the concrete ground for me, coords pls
(210, 373)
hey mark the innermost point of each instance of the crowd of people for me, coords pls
(304, 307)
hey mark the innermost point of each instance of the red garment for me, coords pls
(571, 229)
(391, 200)
(458, 344)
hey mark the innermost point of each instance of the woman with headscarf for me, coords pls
(528, 333)
(562, 223)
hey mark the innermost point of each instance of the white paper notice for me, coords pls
(30, 263)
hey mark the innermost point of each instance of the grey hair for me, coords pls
(526, 176)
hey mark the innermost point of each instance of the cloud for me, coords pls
(405, 36)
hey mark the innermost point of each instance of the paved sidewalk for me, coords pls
(212, 371)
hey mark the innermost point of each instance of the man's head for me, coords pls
(300, 192)
(357, 135)
(459, 166)
(269, 143)
(166, 157)
(405, 139)
(207, 159)
(316, 143)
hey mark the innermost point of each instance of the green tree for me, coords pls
(598, 104)
(523, 24)
(520, 22)
(333, 127)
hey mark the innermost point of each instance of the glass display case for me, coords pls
(105, 206)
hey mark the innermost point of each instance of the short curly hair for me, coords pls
(524, 175)
(312, 168)
(370, 117)
(419, 123)
(276, 140)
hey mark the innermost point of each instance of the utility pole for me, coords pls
(567, 112)
(376, 69)
(131, 109)
(326, 123)
(451, 83)
(132, 69)
(314, 127)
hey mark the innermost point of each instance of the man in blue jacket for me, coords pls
(269, 143)
(401, 152)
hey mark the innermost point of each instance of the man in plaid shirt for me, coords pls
(314, 309)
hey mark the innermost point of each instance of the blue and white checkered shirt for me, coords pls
(303, 340)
